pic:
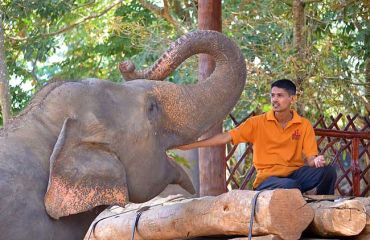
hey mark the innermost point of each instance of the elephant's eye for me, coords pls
(152, 106)
(153, 109)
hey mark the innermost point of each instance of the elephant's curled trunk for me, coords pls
(193, 109)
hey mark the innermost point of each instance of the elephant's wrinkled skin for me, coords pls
(84, 144)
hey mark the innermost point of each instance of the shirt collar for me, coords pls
(296, 118)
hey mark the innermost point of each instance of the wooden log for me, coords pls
(317, 198)
(365, 234)
(342, 218)
(266, 237)
(321, 238)
(281, 212)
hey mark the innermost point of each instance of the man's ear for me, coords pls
(84, 172)
(294, 99)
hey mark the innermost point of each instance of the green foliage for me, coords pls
(19, 98)
(48, 40)
(335, 53)
(180, 160)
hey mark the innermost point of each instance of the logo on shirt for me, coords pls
(296, 135)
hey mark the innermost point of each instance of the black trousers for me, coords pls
(305, 178)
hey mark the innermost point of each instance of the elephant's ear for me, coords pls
(84, 172)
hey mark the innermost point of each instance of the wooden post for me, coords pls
(355, 167)
(212, 168)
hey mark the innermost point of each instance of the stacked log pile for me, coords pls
(279, 214)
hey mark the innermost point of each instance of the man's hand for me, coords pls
(319, 161)
(316, 161)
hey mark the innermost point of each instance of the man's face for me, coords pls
(280, 99)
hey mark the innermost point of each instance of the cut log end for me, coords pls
(290, 214)
(346, 218)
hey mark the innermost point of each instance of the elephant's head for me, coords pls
(112, 146)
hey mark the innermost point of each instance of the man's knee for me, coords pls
(277, 182)
(330, 173)
(327, 185)
(290, 183)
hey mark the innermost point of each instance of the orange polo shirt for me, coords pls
(276, 151)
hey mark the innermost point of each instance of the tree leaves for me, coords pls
(63, 39)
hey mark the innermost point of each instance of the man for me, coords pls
(283, 142)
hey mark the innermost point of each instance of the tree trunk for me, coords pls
(279, 212)
(299, 45)
(347, 218)
(367, 77)
(367, 80)
(212, 168)
(4, 85)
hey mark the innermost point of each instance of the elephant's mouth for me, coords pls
(181, 177)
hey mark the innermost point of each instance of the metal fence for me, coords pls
(343, 140)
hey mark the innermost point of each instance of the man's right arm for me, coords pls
(218, 139)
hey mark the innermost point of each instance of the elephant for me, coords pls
(83, 145)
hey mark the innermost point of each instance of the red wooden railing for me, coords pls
(344, 143)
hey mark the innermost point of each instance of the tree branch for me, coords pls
(34, 68)
(310, 1)
(180, 12)
(337, 78)
(163, 12)
(84, 5)
(70, 27)
(366, 103)
(317, 20)
(288, 2)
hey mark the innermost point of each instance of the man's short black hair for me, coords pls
(286, 84)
